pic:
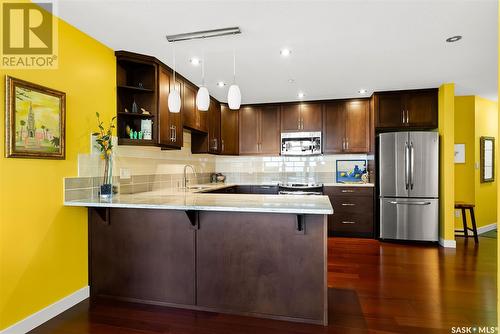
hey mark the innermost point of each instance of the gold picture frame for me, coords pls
(35, 118)
(487, 159)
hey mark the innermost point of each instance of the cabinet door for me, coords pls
(165, 133)
(290, 117)
(229, 131)
(389, 110)
(269, 130)
(202, 119)
(189, 106)
(214, 127)
(422, 107)
(334, 127)
(249, 129)
(257, 263)
(144, 254)
(357, 126)
(311, 116)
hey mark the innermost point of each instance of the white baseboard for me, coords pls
(486, 228)
(480, 230)
(447, 243)
(48, 312)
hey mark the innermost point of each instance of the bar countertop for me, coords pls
(195, 199)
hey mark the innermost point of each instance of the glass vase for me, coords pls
(106, 191)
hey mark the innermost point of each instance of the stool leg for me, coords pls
(474, 228)
(464, 222)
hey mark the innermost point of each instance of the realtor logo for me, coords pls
(28, 35)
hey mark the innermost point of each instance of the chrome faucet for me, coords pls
(185, 174)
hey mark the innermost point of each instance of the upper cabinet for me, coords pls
(305, 116)
(193, 118)
(211, 142)
(229, 131)
(416, 109)
(346, 126)
(169, 124)
(259, 129)
(136, 78)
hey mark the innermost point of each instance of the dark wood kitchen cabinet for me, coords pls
(169, 124)
(211, 142)
(193, 118)
(346, 126)
(229, 131)
(259, 130)
(145, 255)
(415, 109)
(353, 209)
(305, 116)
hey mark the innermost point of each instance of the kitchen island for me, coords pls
(255, 255)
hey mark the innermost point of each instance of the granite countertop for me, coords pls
(195, 199)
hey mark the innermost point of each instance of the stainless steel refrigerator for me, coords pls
(409, 185)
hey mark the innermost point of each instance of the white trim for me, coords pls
(480, 230)
(447, 243)
(47, 313)
(486, 228)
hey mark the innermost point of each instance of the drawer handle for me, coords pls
(348, 204)
(348, 222)
(347, 191)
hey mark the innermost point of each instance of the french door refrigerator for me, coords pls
(409, 185)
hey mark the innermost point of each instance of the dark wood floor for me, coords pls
(374, 288)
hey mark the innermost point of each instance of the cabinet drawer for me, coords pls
(352, 191)
(351, 204)
(352, 223)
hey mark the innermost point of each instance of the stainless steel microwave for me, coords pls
(300, 143)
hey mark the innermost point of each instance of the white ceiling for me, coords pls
(338, 47)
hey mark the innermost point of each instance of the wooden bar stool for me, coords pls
(468, 206)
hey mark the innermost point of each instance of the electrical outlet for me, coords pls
(457, 213)
(124, 173)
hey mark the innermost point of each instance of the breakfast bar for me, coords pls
(254, 255)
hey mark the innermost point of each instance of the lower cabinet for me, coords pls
(258, 264)
(142, 254)
(353, 211)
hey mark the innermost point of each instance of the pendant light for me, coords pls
(202, 97)
(174, 97)
(234, 94)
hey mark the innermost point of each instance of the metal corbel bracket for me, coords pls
(194, 219)
(300, 227)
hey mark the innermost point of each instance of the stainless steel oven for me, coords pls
(301, 143)
(300, 189)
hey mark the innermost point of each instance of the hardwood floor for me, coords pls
(374, 288)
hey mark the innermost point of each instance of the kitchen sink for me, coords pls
(198, 187)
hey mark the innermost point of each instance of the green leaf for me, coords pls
(95, 134)
(97, 114)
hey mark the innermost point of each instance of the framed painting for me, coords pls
(350, 171)
(487, 159)
(34, 121)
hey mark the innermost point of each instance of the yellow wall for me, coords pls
(475, 117)
(464, 134)
(446, 103)
(486, 124)
(43, 245)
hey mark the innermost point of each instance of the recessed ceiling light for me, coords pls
(301, 95)
(285, 52)
(195, 61)
(362, 91)
(291, 81)
(454, 39)
(221, 83)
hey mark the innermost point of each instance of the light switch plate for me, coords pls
(457, 213)
(124, 173)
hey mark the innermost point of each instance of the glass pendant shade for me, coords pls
(174, 101)
(202, 99)
(234, 97)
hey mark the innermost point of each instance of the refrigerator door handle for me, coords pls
(407, 154)
(410, 203)
(412, 164)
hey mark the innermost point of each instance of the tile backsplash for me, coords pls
(151, 167)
